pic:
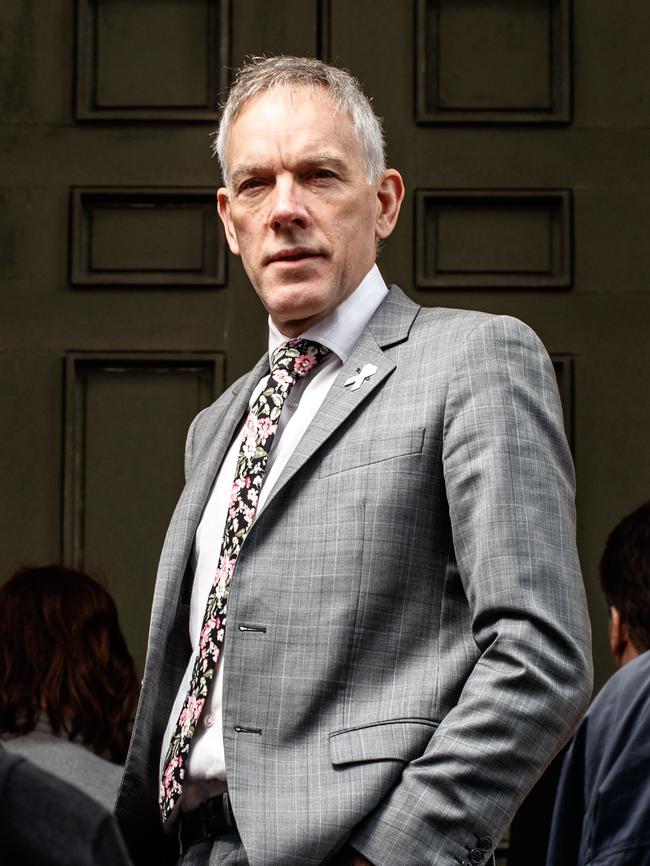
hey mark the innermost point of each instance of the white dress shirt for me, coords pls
(339, 331)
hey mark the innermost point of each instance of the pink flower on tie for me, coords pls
(249, 426)
(248, 449)
(191, 712)
(169, 784)
(224, 572)
(249, 514)
(304, 363)
(265, 427)
(282, 376)
(237, 485)
(206, 642)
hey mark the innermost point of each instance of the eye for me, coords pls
(250, 185)
(321, 174)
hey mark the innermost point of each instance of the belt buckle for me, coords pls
(211, 818)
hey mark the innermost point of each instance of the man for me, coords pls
(602, 809)
(407, 641)
(46, 822)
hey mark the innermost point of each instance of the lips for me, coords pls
(295, 254)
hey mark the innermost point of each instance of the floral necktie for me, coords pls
(290, 362)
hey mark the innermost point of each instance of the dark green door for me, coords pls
(521, 127)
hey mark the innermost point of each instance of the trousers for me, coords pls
(229, 851)
(224, 851)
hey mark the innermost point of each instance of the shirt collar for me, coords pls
(341, 329)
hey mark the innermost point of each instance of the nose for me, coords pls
(287, 205)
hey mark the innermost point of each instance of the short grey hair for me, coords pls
(260, 74)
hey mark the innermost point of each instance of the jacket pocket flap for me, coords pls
(354, 454)
(397, 740)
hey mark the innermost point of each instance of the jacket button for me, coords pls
(477, 855)
(467, 863)
(485, 843)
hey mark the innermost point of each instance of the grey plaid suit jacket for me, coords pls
(426, 644)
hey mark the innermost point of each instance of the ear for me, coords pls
(223, 207)
(390, 192)
(619, 639)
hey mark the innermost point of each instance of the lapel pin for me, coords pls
(364, 373)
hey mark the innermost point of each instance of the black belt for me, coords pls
(210, 819)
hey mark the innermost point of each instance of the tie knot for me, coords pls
(297, 357)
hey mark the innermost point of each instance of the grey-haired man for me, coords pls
(407, 642)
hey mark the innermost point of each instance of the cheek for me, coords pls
(356, 235)
(248, 241)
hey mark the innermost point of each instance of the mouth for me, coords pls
(292, 256)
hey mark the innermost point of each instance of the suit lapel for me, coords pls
(390, 325)
(220, 427)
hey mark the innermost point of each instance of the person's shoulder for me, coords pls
(457, 321)
(39, 811)
(621, 709)
(610, 749)
(71, 762)
(631, 683)
(8, 761)
(466, 329)
(92, 774)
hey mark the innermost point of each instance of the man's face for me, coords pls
(299, 209)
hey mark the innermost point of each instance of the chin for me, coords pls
(295, 304)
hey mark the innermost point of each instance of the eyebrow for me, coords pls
(252, 169)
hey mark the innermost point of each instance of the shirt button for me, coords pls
(209, 720)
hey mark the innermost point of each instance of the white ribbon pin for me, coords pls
(364, 373)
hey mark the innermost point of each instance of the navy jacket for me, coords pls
(602, 810)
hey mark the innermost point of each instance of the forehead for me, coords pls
(291, 118)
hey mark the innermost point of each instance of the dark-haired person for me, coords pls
(602, 810)
(68, 686)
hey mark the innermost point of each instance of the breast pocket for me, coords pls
(356, 453)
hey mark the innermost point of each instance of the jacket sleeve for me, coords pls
(510, 489)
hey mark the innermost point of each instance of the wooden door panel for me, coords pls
(125, 425)
(518, 239)
(159, 60)
(290, 27)
(30, 457)
(152, 236)
(494, 61)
